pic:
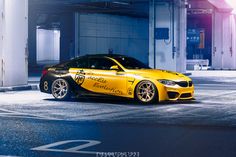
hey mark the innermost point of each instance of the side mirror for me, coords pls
(114, 67)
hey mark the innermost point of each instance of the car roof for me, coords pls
(105, 55)
(91, 55)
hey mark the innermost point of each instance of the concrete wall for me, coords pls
(32, 37)
(14, 34)
(168, 54)
(125, 35)
(67, 29)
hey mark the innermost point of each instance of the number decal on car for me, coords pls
(45, 85)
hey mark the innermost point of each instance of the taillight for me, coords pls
(44, 72)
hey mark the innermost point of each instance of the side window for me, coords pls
(101, 63)
(78, 63)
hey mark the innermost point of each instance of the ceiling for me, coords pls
(49, 12)
(137, 8)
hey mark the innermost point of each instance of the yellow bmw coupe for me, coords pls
(114, 75)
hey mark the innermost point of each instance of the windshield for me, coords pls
(131, 63)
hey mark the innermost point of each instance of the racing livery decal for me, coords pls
(80, 77)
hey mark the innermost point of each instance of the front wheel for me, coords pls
(146, 92)
(61, 89)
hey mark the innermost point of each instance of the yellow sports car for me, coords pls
(114, 75)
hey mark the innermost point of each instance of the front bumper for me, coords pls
(175, 93)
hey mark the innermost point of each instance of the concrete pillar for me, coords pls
(152, 60)
(217, 41)
(181, 34)
(1, 41)
(14, 49)
(223, 55)
(168, 54)
(227, 57)
(233, 41)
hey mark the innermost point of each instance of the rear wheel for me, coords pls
(61, 89)
(146, 92)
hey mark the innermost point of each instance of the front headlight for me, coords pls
(167, 82)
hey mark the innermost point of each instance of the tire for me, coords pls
(61, 89)
(146, 92)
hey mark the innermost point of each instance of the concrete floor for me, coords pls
(30, 120)
(215, 105)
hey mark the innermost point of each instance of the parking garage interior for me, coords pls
(164, 34)
(91, 27)
(194, 37)
(86, 28)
